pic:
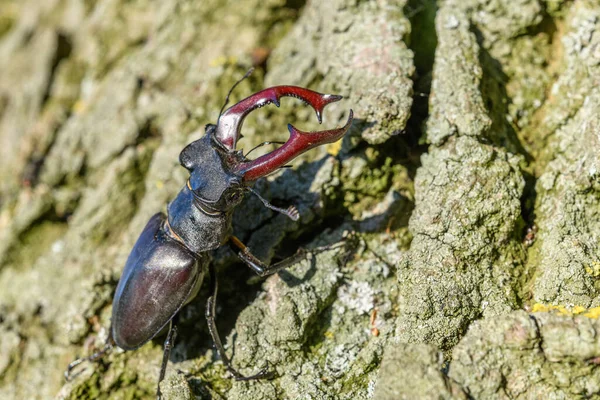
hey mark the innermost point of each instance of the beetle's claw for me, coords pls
(68, 376)
(293, 213)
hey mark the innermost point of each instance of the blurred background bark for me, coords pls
(465, 199)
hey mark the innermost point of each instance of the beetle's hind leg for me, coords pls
(93, 358)
(212, 327)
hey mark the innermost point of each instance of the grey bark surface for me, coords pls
(460, 215)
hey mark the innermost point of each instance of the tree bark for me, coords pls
(461, 213)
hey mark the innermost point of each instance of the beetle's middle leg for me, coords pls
(258, 266)
(212, 328)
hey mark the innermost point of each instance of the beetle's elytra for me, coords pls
(169, 260)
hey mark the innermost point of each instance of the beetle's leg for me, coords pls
(212, 328)
(257, 265)
(169, 342)
(94, 357)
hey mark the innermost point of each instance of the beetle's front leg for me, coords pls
(258, 266)
(212, 328)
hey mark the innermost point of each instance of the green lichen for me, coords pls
(8, 16)
(36, 241)
(446, 277)
(415, 371)
(365, 184)
(521, 355)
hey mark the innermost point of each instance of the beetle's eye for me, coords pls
(210, 128)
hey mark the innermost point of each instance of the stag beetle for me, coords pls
(169, 260)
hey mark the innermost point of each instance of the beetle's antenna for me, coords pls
(94, 357)
(261, 145)
(247, 74)
(291, 212)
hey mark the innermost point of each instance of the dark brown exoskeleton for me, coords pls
(169, 260)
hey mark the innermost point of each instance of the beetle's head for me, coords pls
(215, 185)
(220, 174)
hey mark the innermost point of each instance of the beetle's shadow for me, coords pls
(292, 279)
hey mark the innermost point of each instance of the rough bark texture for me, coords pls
(462, 211)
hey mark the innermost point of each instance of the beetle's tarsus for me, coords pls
(265, 373)
(291, 212)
